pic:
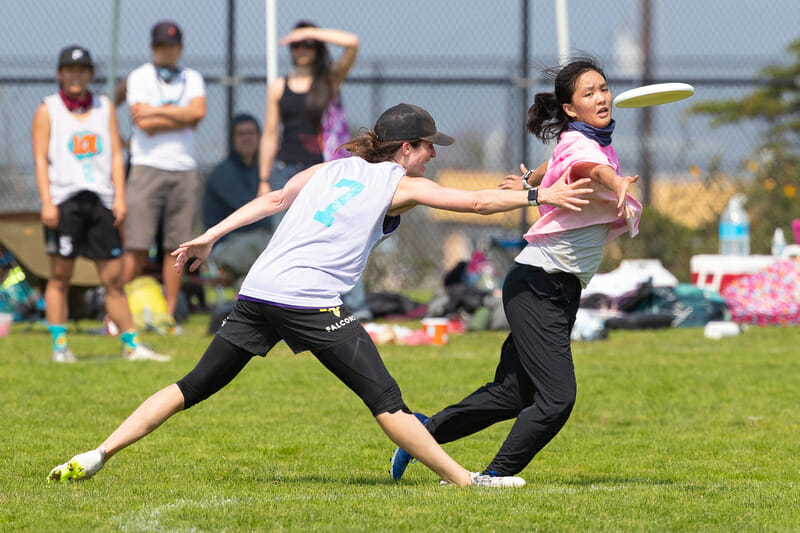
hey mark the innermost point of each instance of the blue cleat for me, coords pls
(401, 458)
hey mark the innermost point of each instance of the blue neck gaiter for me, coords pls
(601, 135)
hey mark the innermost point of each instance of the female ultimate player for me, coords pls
(337, 212)
(79, 171)
(535, 379)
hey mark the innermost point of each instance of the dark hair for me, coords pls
(320, 94)
(369, 148)
(546, 117)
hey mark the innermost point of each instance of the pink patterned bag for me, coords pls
(770, 296)
(335, 131)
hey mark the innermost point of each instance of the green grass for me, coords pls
(671, 432)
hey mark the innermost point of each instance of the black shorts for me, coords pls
(333, 335)
(256, 327)
(85, 228)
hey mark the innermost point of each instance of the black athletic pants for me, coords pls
(535, 379)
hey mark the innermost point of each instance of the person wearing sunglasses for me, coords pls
(298, 103)
(305, 121)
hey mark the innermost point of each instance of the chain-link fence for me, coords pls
(474, 64)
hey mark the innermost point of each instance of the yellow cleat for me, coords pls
(80, 467)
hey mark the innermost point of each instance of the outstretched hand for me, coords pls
(566, 195)
(621, 190)
(513, 182)
(197, 248)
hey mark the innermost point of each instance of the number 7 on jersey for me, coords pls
(353, 188)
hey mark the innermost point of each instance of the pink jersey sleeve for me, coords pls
(575, 148)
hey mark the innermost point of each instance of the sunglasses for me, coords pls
(308, 43)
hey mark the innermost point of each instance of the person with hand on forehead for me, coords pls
(167, 102)
(305, 121)
(336, 213)
(534, 381)
(79, 173)
(298, 103)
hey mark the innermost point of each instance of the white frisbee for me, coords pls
(649, 95)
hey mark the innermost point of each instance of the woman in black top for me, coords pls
(298, 102)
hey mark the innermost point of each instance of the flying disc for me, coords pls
(649, 95)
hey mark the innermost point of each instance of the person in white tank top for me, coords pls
(337, 211)
(79, 173)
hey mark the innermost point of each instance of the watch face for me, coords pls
(525, 179)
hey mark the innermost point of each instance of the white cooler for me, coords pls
(715, 272)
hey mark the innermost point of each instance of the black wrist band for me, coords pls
(533, 196)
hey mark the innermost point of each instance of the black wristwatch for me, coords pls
(533, 196)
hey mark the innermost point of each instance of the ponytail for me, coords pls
(546, 118)
(369, 148)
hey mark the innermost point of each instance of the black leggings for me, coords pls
(535, 379)
(355, 362)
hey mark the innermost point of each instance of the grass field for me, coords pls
(671, 432)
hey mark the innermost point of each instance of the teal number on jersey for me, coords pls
(326, 216)
(88, 173)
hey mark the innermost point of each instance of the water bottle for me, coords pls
(734, 228)
(778, 242)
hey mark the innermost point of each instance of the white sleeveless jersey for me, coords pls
(322, 244)
(79, 153)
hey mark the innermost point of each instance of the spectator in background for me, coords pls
(231, 184)
(299, 103)
(304, 121)
(166, 103)
(79, 172)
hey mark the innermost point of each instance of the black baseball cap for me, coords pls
(406, 122)
(166, 32)
(75, 55)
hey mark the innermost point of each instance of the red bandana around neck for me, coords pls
(76, 104)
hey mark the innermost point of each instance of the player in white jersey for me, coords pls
(337, 212)
(79, 172)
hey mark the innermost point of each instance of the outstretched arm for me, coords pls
(253, 211)
(606, 176)
(422, 191)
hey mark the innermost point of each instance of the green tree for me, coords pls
(773, 196)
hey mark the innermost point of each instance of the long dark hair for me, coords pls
(547, 119)
(320, 94)
(369, 148)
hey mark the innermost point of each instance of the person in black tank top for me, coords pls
(300, 143)
(292, 139)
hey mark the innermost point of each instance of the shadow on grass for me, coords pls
(609, 483)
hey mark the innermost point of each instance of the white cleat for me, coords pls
(80, 467)
(497, 482)
(143, 353)
(494, 482)
(63, 355)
